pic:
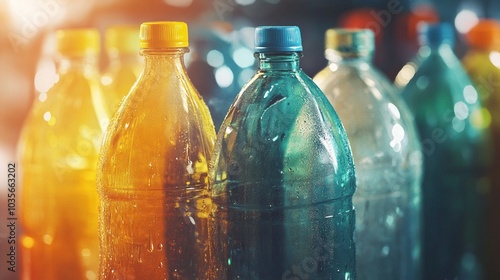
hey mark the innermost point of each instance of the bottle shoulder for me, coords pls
(379, 125)
(162, 127)
(280, 131)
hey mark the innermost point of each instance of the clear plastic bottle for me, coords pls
(482, 63)
(58, 152)
(125, 63)
(282, 175)
(453, 129)
(153, 169)
(387, 157)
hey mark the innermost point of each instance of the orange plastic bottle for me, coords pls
(152, 177)
(58, 153)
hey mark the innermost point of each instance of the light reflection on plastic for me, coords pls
(405, 75)
(244, 76)
(465, 20)
(46, 76)
(394, 110)
(470, 94)
(243, 57)
(244, 2)
(215, 58)
(224, 76)
(398, 134)
(461, 110)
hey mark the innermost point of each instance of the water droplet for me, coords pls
(160, 247)
(151, 246)
(385, 251)
(160, 265)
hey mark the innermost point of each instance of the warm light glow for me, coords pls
(405, 75)
(179, 3)
(47, 116)
(495, 59)
(28, 242)
(90, 275)
(46, 76)
(481, 118)
(465, 20)
(47, 239)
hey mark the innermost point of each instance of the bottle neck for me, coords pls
(120, 58)
(87, 64)
(164, 57)
(350, 57)
(279, 61)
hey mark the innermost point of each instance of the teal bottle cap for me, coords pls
(278, 39)
(355, 41)
(437, 34)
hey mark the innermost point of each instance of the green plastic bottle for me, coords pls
(453, 128)
(282, 175)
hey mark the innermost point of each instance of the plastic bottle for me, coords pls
(482, 63)
(282, 175)
(152, 177)
(453, 129)
(58, 152)
(387, 157)
(125, 63)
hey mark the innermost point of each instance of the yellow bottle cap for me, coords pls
(85, 41)
(163, 34)
(122, 38)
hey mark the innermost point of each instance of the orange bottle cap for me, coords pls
(485, 34)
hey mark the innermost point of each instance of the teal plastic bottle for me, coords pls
(282, 175)
(455, 141)
(387, 155)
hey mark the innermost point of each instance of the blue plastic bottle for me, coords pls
(453, 128)
(282, 175)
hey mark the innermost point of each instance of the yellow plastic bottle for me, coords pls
(482, 62)
(125, 63)
(58, 152)
(152, 177)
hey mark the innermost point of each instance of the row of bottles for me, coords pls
(277, 193)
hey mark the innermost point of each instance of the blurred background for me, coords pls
(221, 38)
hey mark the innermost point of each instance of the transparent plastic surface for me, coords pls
(125, 64)
(58, 153)
(152, 177)
(119, 77)
(282, 181)
(388, 161)
(453, 129)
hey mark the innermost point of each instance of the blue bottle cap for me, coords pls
(437, 34)
(278, 39)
